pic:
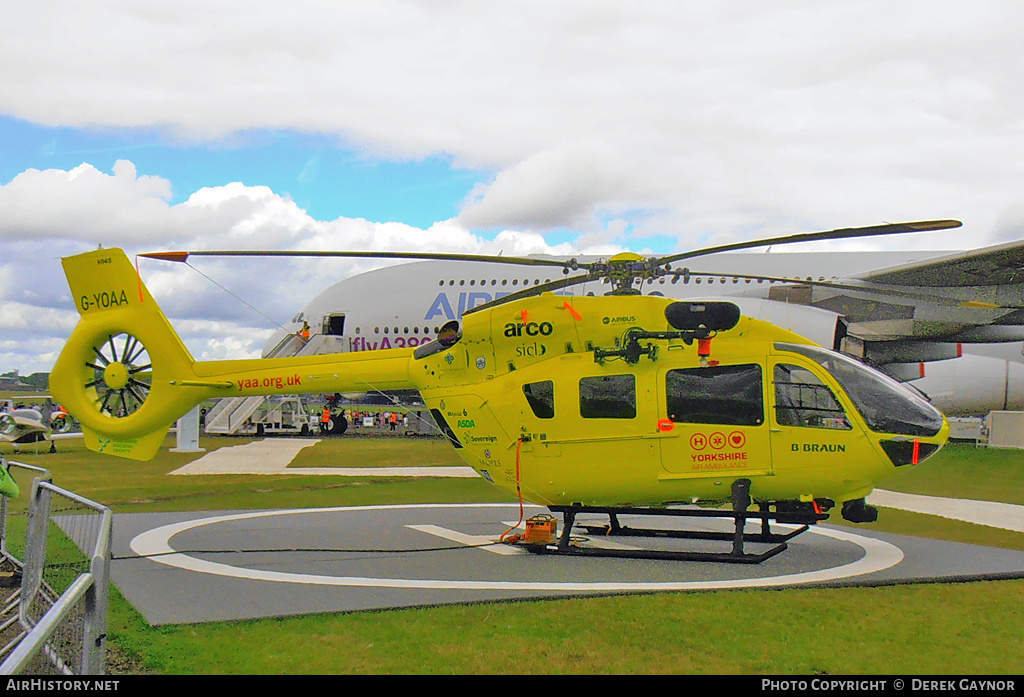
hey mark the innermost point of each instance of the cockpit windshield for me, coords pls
(886, 405)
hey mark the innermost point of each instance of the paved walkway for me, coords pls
(1007, 516)
(272, 456)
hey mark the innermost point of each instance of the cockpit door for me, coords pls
(811, 428)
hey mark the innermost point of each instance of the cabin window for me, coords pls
(723, 394)
(801, 399)
(608, 397)
(541, 398)
(445, 428)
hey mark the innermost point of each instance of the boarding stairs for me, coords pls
(230, 414)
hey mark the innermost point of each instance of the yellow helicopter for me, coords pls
(614, 404)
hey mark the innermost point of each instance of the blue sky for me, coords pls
(323, 178)
(585, 126)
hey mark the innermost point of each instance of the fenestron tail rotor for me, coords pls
(122, 375)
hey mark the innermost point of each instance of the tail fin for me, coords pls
(117, 370)
(126, 376)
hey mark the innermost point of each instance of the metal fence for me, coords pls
(55, 559)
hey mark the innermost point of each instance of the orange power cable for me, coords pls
(512, 539)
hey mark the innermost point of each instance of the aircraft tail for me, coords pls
(119, 371)
(126, 376)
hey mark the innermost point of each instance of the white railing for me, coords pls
(55, 620)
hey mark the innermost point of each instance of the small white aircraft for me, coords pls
(44, 421)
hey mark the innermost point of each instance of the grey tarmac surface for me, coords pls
(201, 567)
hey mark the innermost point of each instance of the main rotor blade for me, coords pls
(840, 234)
(522, 261)
(643, 268)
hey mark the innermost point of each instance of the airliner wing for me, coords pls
(1000, 265)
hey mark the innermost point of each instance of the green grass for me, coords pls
(917, 629)
(957, 471)
(966, 472)
(924, 629)
(128, 486)
(385, 451)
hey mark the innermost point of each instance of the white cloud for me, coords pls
(711, 121)
(223, 308)
(798, 114)
(112, 208)
(33, 318)
(560, 187)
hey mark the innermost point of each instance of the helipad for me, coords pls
(197, 567)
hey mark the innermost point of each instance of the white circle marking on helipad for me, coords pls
(878, 555)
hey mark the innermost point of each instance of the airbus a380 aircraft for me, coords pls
(895, 310)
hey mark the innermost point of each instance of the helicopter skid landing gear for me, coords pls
(739, 515)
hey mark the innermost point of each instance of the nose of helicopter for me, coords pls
(910, 428)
